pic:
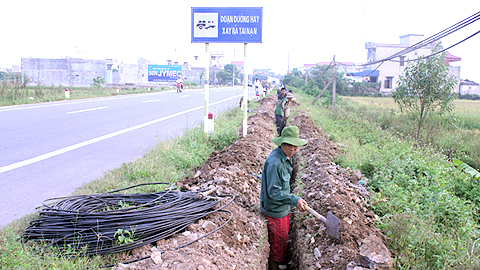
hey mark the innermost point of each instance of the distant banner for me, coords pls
(164, 73)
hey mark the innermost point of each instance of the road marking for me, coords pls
(153, 100)
(185, 96)
(88, 110)
(101, 138)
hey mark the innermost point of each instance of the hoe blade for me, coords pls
(332, 225)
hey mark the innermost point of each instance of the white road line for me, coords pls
(153, 100)
(185, 96)
(88, 110)
(76, 101)
(101, 138)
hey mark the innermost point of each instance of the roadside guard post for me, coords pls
(227, 25)
(210, 123)
(67, 93)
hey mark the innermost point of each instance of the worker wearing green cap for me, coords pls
(275, 197)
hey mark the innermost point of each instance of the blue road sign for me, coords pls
(227, 25)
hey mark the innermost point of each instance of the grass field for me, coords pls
(461, 105)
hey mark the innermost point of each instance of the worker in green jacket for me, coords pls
(275, 197)
(280, 112)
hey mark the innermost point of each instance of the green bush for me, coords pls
(428, 207)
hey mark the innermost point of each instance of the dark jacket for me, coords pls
(275, 197)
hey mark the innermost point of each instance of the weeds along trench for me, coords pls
(236, 236)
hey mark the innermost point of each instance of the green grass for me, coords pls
(430, 208)
(169, 161)
(456, 135)
(36, 94)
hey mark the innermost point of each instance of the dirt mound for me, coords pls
(330, 188)
(242, 243)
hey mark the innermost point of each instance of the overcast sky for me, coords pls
(294, 32)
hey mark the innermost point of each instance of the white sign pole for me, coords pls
(245, 89)
(207, 80)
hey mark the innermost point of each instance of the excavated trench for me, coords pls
(242, 243)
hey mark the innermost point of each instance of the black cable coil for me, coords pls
(112, 222)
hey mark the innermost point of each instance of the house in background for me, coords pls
(468, 87)
(389, 71)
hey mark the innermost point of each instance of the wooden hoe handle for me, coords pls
(315, 214)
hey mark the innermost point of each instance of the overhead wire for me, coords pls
(441, 51)
(469, 20)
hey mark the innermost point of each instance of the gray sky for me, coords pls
(294, 33)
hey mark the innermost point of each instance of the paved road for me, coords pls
(48, 150)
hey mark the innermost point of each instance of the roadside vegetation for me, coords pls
(408, 147)
(14, 90)
(425, 205)
(169, 161)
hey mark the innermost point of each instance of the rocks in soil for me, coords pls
(242, 243)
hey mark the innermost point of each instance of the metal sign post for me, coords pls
(207, 85)
(227, 25)
(245, 90)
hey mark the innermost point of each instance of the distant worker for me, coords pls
(179, 84)
(275, 197)
(265, 89)
(280, 112)
(287, 110)
(282, 94)
(257, 85)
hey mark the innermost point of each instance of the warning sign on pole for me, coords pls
(227, 25)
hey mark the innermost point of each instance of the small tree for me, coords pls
(425, 88)
(98, 82)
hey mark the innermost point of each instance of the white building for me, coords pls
(390, 70)
(468, 87)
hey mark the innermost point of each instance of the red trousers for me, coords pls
(278, 237)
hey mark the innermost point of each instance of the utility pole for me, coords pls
(334, 83)
(306, 79)
(288, 62)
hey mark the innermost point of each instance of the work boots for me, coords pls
(272, 265)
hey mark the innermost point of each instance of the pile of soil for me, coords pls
(242, 243)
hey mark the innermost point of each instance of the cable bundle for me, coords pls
(112, 222)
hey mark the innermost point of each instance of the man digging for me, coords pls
(275, 197)
(280, 112)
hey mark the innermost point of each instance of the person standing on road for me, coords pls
(280, 112)
(275, 197)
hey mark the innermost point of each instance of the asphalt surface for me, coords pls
(47, 150)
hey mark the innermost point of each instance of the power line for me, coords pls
(475, 17)
(435, 53)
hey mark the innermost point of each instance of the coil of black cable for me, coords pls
(94, 224)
